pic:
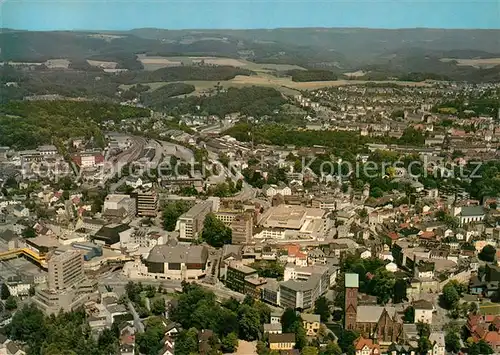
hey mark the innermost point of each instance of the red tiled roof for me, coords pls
(393, 235)
(492, 338)
(427, 235)
(99, 158)
(362, 342)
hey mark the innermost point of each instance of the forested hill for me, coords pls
(28, 124)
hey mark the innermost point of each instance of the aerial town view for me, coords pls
(250, 178)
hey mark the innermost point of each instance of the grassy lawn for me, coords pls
(489, 308)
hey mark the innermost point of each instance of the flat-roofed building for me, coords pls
(115, 202)
(242, 228)
(191, 222)
(236, 274)
(293, 222)
(66, 288)
(303, 285)
(146, 203)
(52, 301)
(65, 270)
(181, 262)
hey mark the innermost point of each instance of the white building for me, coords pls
(272, 190)
(18, 288)
(438, 343)
(115, 202)
(423, 311)
(469, 214)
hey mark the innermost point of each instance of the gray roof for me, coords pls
(8, 235)
(272, 327)
(310, 318)
(12, 348)
(277, 313)
(469, 211)
(422, 304)
(282, 338)
(316, 253)
(194, 211)
(117, 308)
(188, 254)
(352, 280)
(438, 338)
(371, 314)
(298, 286)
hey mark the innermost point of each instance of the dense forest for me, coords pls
(156, 97)
(182, 73)
(27, 124)
(312, 75)
(251, 101)
(83, 80)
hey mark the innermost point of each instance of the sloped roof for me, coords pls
(371, 314)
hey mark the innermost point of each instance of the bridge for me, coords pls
(28, 253)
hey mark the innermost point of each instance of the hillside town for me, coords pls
(398, 254)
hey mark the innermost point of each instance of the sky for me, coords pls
(246, 14)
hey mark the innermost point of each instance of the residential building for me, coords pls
(398, 349)
(423, 311)
(366, 347)
(276, 316)
(236, 274)
(47, 150)
(312, 323)
(272, 190)
(146, 203)
(65, 270)
(18, 287)
(284, 341)
(242, 228)
(147, 237)
(191, 222)
(272, 328)
(181, 262)
(437, 343)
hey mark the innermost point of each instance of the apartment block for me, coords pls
(65, 270)
(242, 228)
(146, 203)
(236, 274)
(191, 222)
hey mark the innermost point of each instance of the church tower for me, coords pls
(351, 301)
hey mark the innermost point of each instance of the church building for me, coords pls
(380, 323)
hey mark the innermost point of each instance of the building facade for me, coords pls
(181, 262)
(65, 270)
(146, 203)
(191, 222)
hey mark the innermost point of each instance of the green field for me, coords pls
(151, 63)
(489, 308)
(203, 87)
